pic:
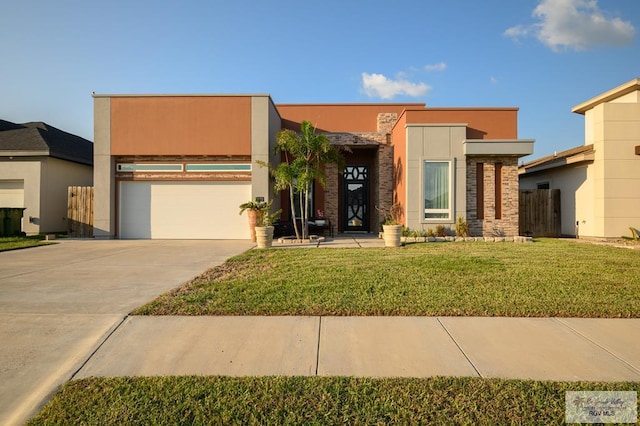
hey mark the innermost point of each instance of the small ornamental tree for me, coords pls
(305, 154)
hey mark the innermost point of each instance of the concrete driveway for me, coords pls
(58, 303)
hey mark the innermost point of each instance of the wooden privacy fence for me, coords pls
(80, 211)
(540, 213)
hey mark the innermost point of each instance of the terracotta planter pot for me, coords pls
(253, 221)
(392, 235)
(264, 236)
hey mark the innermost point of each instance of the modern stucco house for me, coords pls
(178, 166)
(599, 182)
(38, 162)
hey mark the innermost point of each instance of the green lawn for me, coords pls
(546, 278)
(15, 243)
(312, 401)
(540, 279)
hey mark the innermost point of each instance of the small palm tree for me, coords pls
(305, 154)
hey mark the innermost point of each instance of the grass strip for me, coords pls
(16, 243)
(548, 278)
(311, 401)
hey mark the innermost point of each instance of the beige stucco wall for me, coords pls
(614, 130)
(620, 179)
(27, 170)
(46, 181)
(433, 142)
(585, 213)
(576, 195)
(56, 177)
(265, 124)
(103, 171)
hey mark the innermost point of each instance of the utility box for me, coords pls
(11, 221)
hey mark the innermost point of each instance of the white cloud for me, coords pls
(441, 66)
(518, 31)
(379, 86)
(576, 24)
(494, 80)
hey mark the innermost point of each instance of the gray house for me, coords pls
(37, 164)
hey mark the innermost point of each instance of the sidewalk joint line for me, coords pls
(633, 367)
(460, 348)
(73, 376)
(318, 346)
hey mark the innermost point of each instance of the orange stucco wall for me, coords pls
(482, 123)
(339, 117)
(181, 125)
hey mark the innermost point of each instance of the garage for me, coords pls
(182, 210)
(11, 193)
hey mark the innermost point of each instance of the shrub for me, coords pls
(462, 227)
(441, 231)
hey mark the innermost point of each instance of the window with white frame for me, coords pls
(436, 190)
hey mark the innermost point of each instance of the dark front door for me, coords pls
(355, 192)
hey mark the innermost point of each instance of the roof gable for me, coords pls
(615, 93)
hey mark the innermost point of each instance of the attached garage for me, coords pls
(11, 193)
(182, 210)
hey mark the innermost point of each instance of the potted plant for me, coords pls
(392, 226)
(264, 226)
(253, 209)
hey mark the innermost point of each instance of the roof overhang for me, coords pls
(559, 161)
(43, 153)
(624, 89)
(511, 147)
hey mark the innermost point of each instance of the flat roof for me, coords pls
(177, 95)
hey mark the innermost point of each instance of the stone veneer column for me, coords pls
(490, 226)
(385, 183)
(331, 195)
(386, 121)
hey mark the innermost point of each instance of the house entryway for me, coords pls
(355, 194)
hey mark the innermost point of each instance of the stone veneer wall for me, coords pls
(490, 226)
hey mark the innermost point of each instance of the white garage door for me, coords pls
(183, 210)
(11, 193)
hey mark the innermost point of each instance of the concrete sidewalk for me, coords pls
(348, 240)
(520, 348)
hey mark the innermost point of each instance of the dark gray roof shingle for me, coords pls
(41, 137)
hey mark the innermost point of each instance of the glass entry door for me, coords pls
(355, 203)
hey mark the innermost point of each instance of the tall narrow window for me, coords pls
(480, 190)
(498, 186)
(437, 190)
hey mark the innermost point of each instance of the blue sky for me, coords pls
(543, 56)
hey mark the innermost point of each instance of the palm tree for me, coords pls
(305, 154)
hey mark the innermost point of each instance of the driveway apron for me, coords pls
(58, 303)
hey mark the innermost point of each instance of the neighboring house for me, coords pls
(599, 182)
(37, 165)
(178, 166)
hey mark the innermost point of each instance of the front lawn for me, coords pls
(546, 278)
(312, 400)
(15, 243)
